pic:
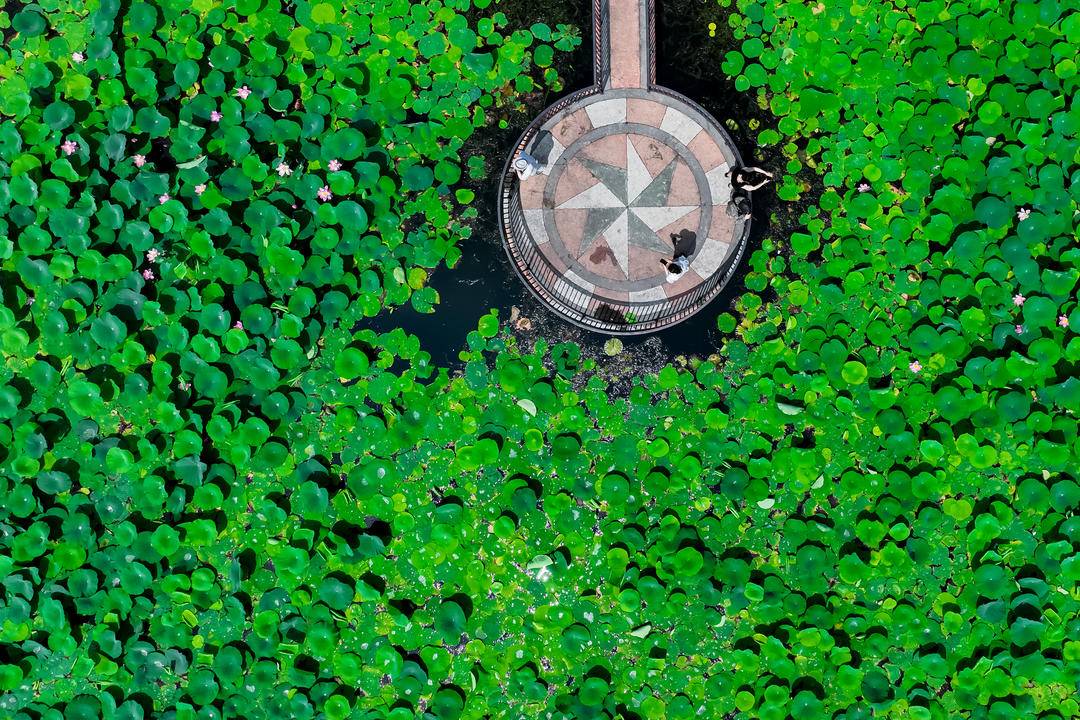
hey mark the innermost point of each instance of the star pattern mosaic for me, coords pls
(627, 205)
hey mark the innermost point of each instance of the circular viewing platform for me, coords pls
(622, 171)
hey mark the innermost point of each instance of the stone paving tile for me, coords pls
(660, 217)
(551, 253)
(687, 281)
(656, 194)
(534, 220)
(532, 191)
(610, 150)
(655, 155)
(707, 152)
(690, 221)
(574, 180)
(645, 112)
(613, 178)
(719, 185)
(648, 295)
(625, 42)
(637, 175)
(600, 258)
(684, 189)
(682, 127)
(597, 196)
(722, 226)
(645, 263)
(709, 257)
(570, 225)
(571, 127)
(557, 150)
(644, 222)
(607, 112)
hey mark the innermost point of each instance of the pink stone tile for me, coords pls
(684, 189)
(600, 259)
(625, 43)
(532, 192)
(655, 155)
(645, 112)
(723, 227)
(645, 263)
(570, 224)
(706, 150)
(610, 150)
(571, 127)
(687, 281)
(550, 253)
(574, 180)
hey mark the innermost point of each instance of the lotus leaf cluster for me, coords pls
(225, 496)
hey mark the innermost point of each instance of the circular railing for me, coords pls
(579, 305)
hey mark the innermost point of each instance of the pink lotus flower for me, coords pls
(69, 146)
(140, 160)
(863, 187)
(1019, 329)
(915, 366)
(334, 165)
(215, 116)
(283, 170)
(163, 198)
(152, 254)
(1019, 299)
(243, 92)
(1063, 321)
(200, 189)
(324, 193)
(77, 57)
(148, 274)
(238, 325)
(1023, 214)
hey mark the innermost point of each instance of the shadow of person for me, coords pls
(543, 146)
(684, 242)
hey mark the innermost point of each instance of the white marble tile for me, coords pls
(534, 220)
(597, 196)
(617, 236)
(709, 257)
(607, 112)
(653, 293)
(660, 217)
(719, 184)
(637, 175)
(678, 124)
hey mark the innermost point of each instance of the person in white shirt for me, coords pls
(525, 165)
(675, 268)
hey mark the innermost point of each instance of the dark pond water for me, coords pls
(688, 61)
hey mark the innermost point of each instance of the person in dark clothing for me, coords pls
(739, 206)
(749, 179)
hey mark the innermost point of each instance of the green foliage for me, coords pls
(224, 496)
